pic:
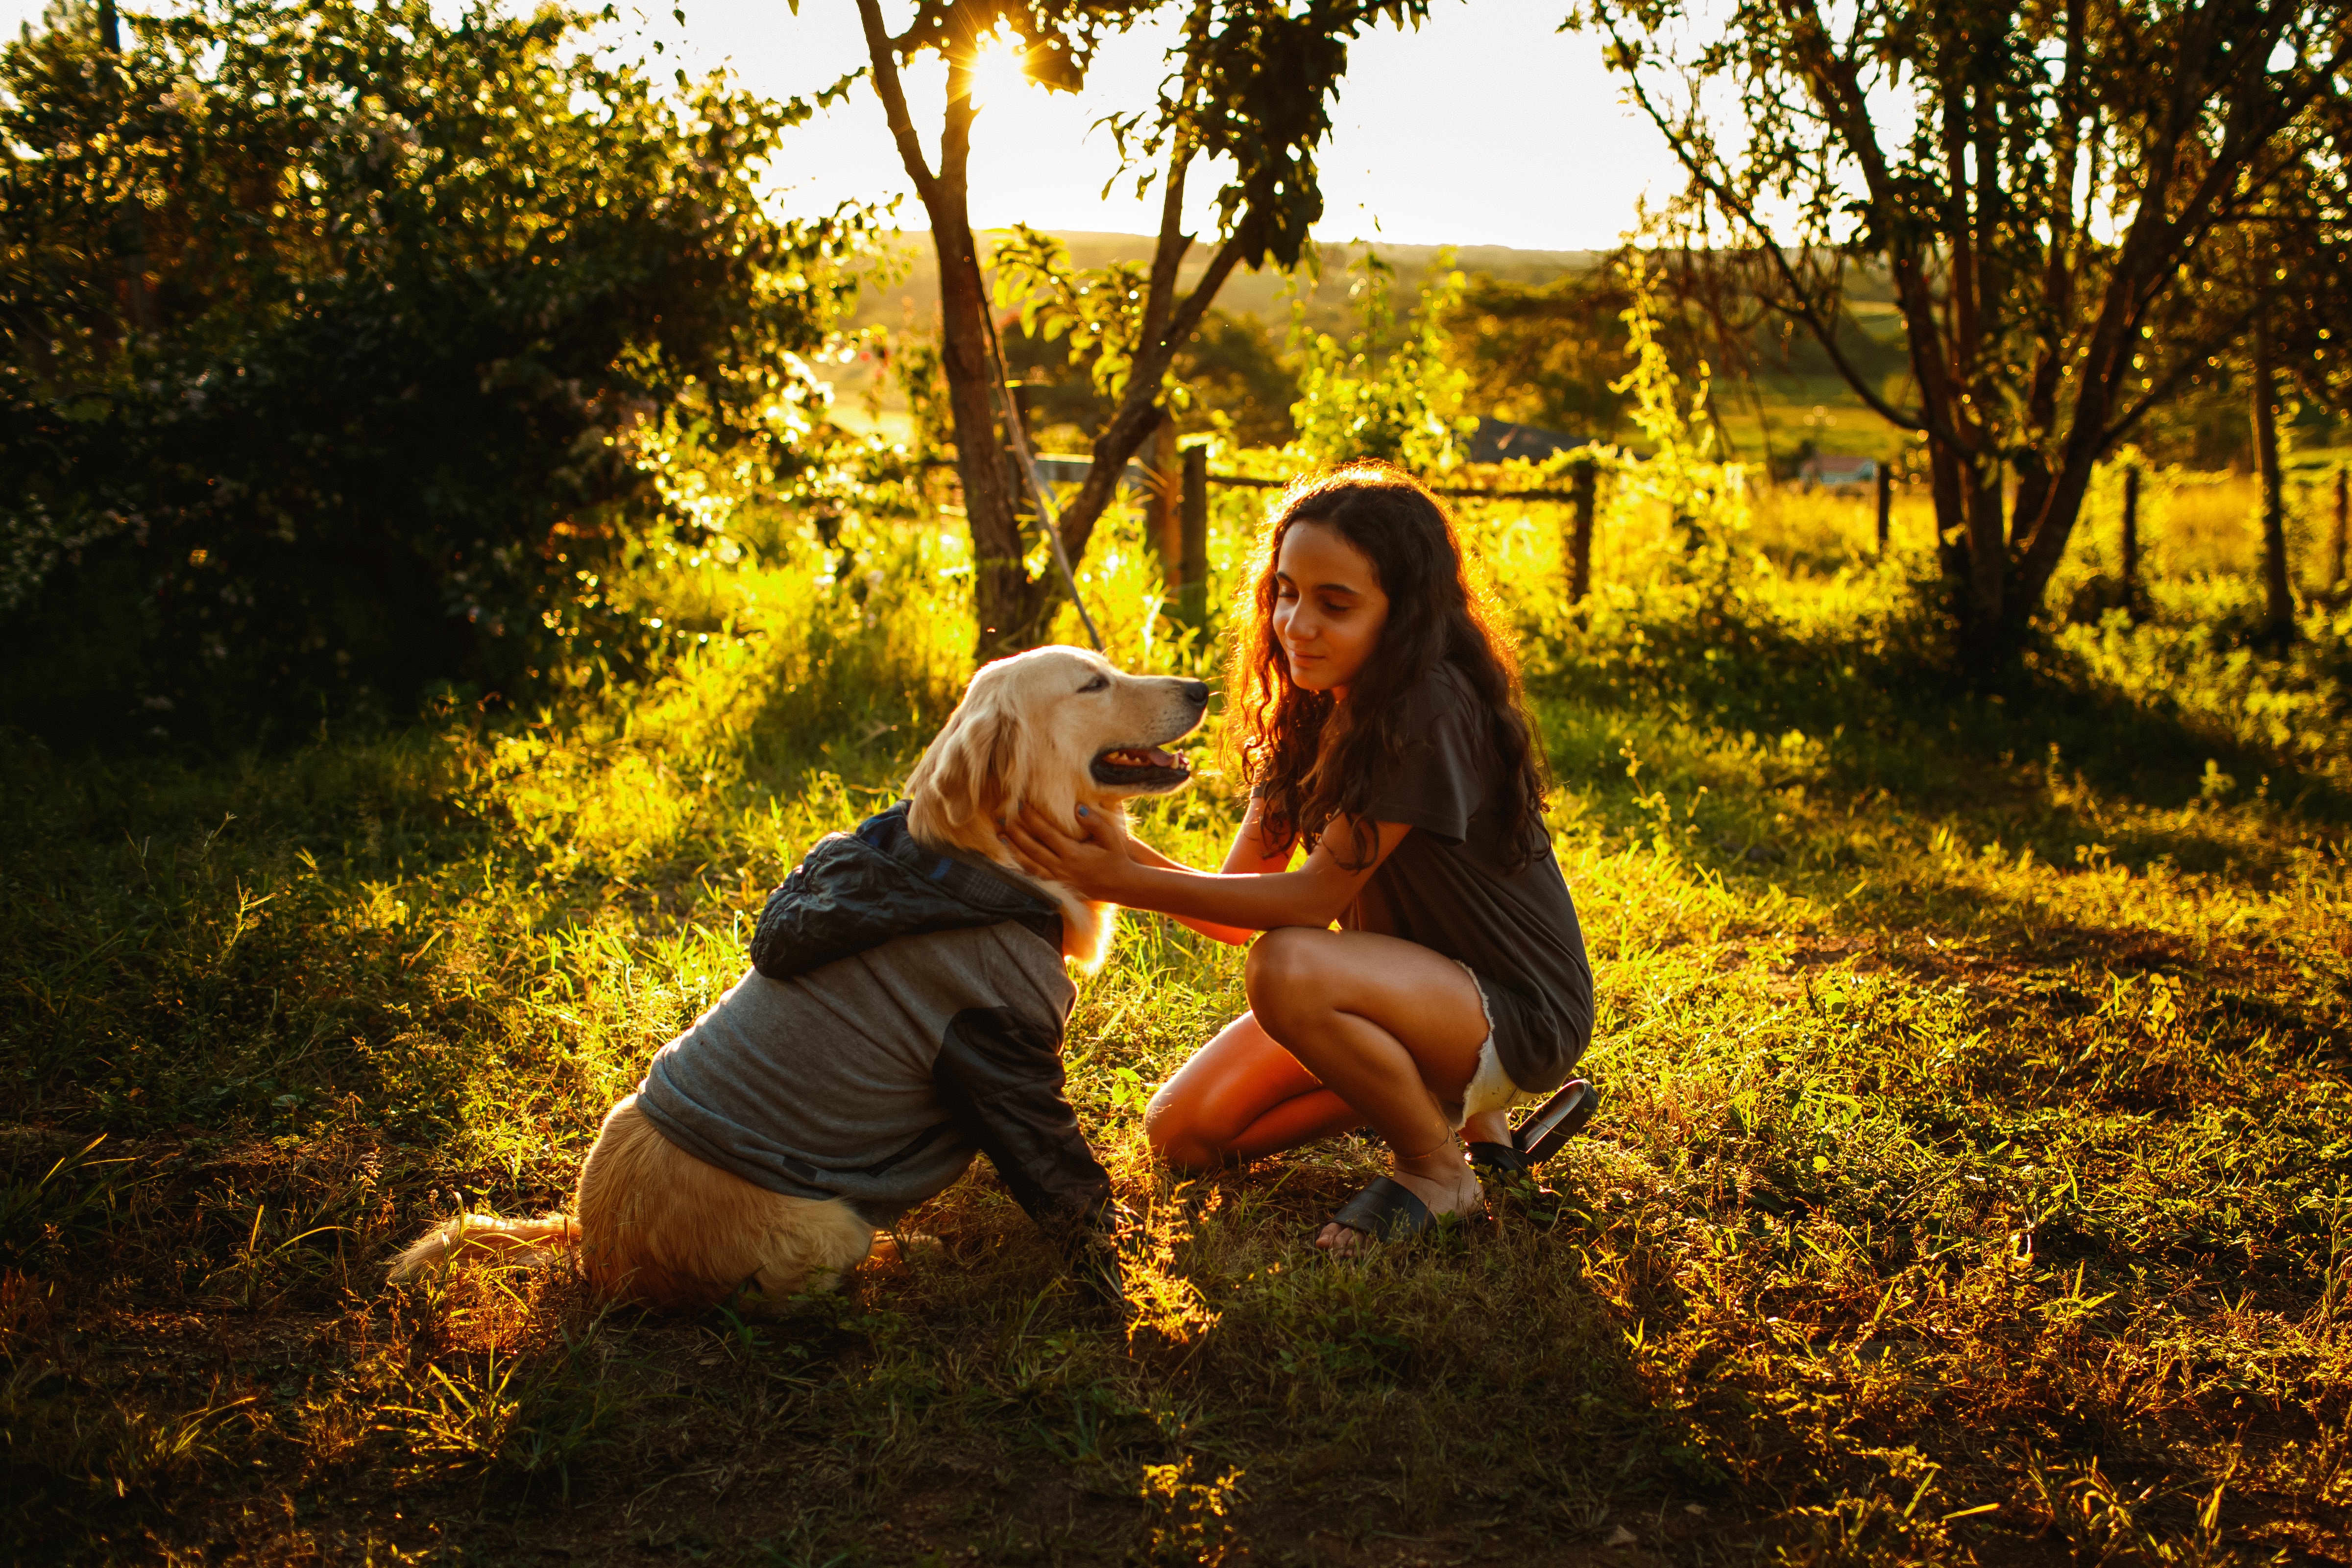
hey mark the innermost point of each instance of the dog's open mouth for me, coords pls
(1140, 768)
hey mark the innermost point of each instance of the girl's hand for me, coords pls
(1094, 866)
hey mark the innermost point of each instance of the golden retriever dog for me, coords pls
(664, 1225)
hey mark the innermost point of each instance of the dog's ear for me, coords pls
(968, 771)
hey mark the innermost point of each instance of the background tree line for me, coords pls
(343, 344)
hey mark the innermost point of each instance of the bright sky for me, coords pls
(1486, 127)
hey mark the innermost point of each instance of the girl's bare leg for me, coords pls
(1487, 1127)
(1375, 1030)
(1392, 1029)
(1241, 1097)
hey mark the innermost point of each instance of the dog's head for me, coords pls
(1054, 728)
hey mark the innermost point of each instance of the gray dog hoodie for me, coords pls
(904, 1010)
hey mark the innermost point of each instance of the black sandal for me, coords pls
(1501, 1160)
(1551, 1124)
(1539, 1137)
(1387, 1210)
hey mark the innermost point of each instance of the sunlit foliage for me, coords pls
(333, 329)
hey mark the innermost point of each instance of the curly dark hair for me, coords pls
(1316, 758)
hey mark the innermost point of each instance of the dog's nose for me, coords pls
(1197, 692)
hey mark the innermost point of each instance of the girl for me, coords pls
(1377, 711)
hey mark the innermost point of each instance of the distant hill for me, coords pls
(1260, 294)
(1812, 396)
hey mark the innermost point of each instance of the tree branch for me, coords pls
(2164, 386)
(1168, 253)
(1168, 256)
(1186, 318)
(1138, 410)
(893, 94)
(1799, 307)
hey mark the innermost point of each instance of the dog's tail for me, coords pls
(518, 1243)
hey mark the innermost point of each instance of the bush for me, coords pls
(334, 328)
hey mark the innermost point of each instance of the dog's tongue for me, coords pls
(1157, 757)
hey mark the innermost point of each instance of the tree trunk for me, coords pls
(1007, 604)
(2278, 595)
(1012, 608)
(1987, 640)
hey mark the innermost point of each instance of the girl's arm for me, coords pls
(1248, 857)
(1102, 865)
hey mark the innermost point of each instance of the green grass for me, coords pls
(1973, 1184)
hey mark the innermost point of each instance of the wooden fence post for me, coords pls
(1886, 505)
(1193, 543)
(1162, 511)
(2343, 521)
(2131, 538)
(2278, 578)
(1582, 486)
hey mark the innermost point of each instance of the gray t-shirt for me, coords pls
(1451, 887)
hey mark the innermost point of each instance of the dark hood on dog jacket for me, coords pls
(853, 892)
(904, 1010)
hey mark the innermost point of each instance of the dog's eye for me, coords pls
(1101, 683)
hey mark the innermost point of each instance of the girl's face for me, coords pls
(1328, 608)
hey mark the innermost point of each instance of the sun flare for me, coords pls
(999, 70)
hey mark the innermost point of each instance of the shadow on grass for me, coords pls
(1363, 1403)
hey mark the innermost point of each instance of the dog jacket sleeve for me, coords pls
(1000, 1074)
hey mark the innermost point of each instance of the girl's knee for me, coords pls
(1190, 1155)
(1183, 1150)
(1172, 1126)
(1280, 972)
(1163, 1120)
